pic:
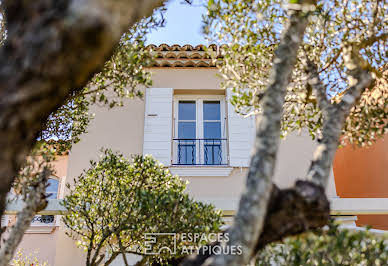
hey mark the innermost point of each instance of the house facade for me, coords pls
(186, 122)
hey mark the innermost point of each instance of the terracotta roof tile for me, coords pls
(183, 56)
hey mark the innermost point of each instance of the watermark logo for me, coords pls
(158, 243)
(166, 243)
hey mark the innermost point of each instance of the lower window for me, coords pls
(199, 130)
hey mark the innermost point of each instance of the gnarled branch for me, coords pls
(35, 201)
(249, 220)
(53, 48)
(335, 114)
(290, 212)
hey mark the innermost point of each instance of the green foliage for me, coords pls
(40, 158)
(66, 125)
(117, 201)
(27, 260)
(369, 115)
(328, 247)
(123, 76)
(251, 29)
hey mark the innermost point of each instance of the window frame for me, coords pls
(58, 187)
(199, 122)
(36, 225)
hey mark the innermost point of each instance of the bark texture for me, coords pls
(335, 113)
(249, 219)
(290, 212)
(35, 201)
(53, 48)
(305, 206)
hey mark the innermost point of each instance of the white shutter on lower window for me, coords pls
(241, 131)
(4, 220)
(158, 124)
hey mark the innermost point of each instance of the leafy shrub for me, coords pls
(334, 246)
(116, 202)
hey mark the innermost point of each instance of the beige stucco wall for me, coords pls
(294, 155)
(122, 129)
(189, 79)
(41, 246)
(294, 158)
(60, 165)
(67, 251)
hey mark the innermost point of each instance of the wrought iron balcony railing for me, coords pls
(43, 219)
(200, 152)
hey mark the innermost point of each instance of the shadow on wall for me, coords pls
(363, 173)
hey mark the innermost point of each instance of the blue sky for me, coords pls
(183, 25)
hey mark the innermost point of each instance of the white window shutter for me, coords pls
(158, 124)
(4, 220)
(242, 131)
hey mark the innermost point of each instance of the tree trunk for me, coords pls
(252, 209)
(53, 48)
(290, 212)
(305, 207)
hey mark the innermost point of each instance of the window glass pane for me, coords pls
(52, 188)
(186, 110)
(213, 152)
(186, 130)
(212, 130)
(211, 110)
(186, 152)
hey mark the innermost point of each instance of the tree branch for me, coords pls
(252, 210)
(305, 206)
(318, 87)
(53, 48)
(290, 212)
(99, 259)
(82, 94)
(332, 60)
(99, 247)
(372, 39)
(35, 201)
(122, 250)
(335, 114)
(111, 258)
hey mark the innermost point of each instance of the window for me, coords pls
(187, 132)
(199, 132)
(4, 221)
(52, 188)
(212, 132)
(192, 130)
(52, 193)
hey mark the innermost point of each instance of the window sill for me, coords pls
(201, 170)
(41, 229)
(39, 226)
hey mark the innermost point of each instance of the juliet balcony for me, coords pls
(204, 152)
